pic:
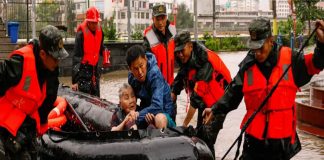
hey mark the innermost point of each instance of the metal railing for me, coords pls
(47, 12)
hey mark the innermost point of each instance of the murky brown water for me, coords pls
(313, 147)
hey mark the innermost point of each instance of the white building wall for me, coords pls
(243, 5)
(283, 9)
(140, 14)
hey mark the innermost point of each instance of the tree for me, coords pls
(71, 23)
(285, 27)
(137, 35)
(48, 11)
(184, 18)
(109, 29)
(307, 11)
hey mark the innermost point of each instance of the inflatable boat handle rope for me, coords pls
(67, 137)
(57, 140)
(78, 117)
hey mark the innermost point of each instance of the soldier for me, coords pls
(29, 83)
(272, 132)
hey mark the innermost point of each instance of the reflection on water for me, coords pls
(312, 147)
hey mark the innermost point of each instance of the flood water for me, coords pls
(312, 147)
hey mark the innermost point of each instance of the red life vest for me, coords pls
(91, 44)
(279, 110)
(211, 91)
(25, 98)
(164, 56)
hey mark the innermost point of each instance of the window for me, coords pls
(144, 4)
(122, 15)
(100, 6)
(142, 15)
(147, 16)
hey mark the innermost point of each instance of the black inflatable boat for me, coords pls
(87, 135)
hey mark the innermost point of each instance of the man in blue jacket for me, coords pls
(150, 87)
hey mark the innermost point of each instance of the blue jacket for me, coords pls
(154, 93)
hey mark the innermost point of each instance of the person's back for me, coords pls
(149, 85)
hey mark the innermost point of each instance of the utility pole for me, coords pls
(214, 29)
(195, 20)
(33, 16)
(116, 16)
(27, 26)
(275, 26)
(128, 21)
(174, 12)
(66, 16)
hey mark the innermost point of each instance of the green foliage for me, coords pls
(184, 17)
(109, 30)
(225, 44)
(137, 35)
(212, 44)
(71, 23)
(307, 11)
(285, 27)
(207, 36)
(48, 11)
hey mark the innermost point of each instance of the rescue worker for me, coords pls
(29, 83)
(87, 49)
(159, 40)
(272, 132)
(150, 87)
(205, 77)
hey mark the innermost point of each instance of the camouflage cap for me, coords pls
(51, 40)
(159, 9)
(260, 30)
(181, 39)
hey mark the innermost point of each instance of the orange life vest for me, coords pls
(164, 54)
(25, 98)
(279, 110)
(91, 44)
(211, 91)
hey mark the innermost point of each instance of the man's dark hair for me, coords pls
(133, 53)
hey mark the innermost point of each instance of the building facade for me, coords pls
(282, 8)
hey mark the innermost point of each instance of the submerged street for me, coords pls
(312, 147)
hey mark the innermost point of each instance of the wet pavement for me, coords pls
(312, 147)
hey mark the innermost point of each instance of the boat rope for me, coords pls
(56, 140)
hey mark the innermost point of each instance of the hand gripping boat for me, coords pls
(86, 135)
